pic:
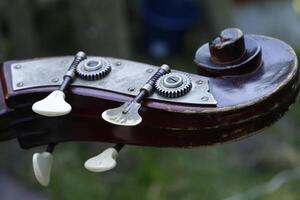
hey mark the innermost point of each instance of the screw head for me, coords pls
(205, 98)
(199, 82)
(20, 84)
(131, 89)
(118, 63)
(173, 80)
(149, 70)
(93, 65)
(18, 66)
(55, 80)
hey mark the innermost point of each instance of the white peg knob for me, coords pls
(53, 105)
(102, 162)
(42, 164)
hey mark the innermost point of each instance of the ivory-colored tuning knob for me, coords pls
(42, 164)
(53, 105)
(102, 162)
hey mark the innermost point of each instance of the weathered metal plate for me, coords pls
(126, 77)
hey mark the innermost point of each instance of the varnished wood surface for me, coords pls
(246, 104)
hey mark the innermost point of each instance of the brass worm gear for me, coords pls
(173, 85)
(93, 69)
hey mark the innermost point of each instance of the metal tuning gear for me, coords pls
(42, 165)
(104, 161)
(93, 69)
(54, 104)
(127, 114)
(173, 85)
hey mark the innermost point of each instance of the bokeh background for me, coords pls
(263, 167)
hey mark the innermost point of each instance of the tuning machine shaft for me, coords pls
(127, 114)
(54, 104)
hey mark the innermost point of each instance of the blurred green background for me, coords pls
(264, 167)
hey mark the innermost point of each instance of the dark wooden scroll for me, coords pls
(246, 103)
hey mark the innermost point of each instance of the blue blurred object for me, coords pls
(165, 24)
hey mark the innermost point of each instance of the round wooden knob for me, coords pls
(228, 47)
(231, 53)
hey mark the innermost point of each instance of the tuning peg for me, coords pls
(54, 104)
(128, 113)
(104, 161)
(42, 165)
(125, 115)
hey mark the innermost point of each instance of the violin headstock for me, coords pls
(244, 83)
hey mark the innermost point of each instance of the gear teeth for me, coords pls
(93, 74)
(173, 92)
